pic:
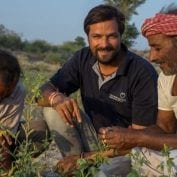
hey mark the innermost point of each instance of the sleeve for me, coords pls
(163, 102)
(67, 78)
(144, 104)
(12, 109)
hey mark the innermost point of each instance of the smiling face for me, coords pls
(164, 52)
(104, 40)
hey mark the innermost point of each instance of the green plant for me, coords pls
(23, 164)
(138, 161)
(164, 169)
(167, 164)
(90, 167)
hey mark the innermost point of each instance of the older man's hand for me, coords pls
(117, 137)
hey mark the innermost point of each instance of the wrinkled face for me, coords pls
(104, 41)
(163, 52)
(5, 90)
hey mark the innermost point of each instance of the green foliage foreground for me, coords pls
(24, 165)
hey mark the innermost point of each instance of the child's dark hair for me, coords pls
(10, 70)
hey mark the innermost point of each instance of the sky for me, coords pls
(58, 21)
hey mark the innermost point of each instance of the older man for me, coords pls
(161, 33)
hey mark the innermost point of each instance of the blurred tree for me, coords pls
(41, 48)
(68, 48)
(9, 39)
(3, 30)
(128, 8)
(37, 46)
(52, 57)
(80, 41)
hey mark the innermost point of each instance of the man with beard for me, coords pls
(161, 33)
(118, 88)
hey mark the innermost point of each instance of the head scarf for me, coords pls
(161, 23)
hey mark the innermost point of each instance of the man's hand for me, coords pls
(67, 108)
(117, 137)
(68, 164)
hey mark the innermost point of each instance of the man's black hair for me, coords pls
(103, 13)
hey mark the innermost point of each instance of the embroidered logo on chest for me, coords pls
(121, 98)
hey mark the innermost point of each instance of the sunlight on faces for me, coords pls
(163, 52)
(104, 41)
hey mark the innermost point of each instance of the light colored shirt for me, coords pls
(11, 108)
(166, 101)
(95, 67)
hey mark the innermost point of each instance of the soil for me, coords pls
(48, 160)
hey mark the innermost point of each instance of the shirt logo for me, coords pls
(121, 98)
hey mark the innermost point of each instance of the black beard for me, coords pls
(111, 60)
(107, 62)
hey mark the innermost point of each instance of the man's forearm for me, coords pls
(46, 90)
(156, 141)
(153, 129)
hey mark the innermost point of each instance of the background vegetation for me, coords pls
(60, 53)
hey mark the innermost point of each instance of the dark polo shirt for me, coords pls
(129, 97)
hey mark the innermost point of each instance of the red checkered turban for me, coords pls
(161, 23)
